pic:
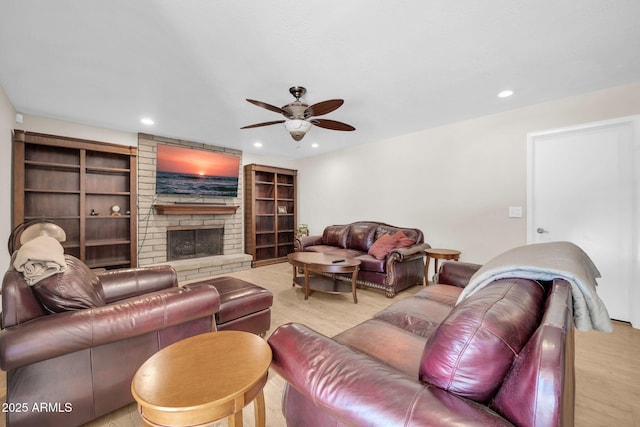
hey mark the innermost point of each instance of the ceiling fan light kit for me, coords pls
(298, 114)
(297, 128)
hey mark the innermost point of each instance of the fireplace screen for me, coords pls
(194, 243)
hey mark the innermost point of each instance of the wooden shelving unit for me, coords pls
(270, 213)
(75, 183)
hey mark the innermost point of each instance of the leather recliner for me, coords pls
(67, 364)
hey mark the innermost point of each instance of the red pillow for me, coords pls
(403, 240)
(383, 246)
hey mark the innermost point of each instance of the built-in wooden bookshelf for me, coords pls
(76, 183)
(270, 213)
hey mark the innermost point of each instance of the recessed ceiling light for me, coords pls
(315, 145)
(257, 144)
(146, 121)
(505, 93)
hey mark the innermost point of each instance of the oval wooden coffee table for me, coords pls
(315, 262)
(203, 379)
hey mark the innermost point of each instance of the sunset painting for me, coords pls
(187, 171)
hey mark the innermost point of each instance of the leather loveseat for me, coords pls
(502, 356)
(71, 344)
(392, 258)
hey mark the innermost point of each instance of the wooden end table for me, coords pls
(437, 254)
(203, 379)
(314, 262)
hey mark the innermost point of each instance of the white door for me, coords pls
(580, 189)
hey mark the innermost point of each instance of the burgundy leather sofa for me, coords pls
(502, 356)
(70, 351)
(395, 269)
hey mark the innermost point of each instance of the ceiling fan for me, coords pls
(300, 116)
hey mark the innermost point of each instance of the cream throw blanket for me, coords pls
(548, 261)
(39, 258)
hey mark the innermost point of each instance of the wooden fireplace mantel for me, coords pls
(194, 209)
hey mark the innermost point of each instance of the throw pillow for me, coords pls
(383, 246)
(74, 289)
(403, 240)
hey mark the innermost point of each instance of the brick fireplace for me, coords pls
(154, 223)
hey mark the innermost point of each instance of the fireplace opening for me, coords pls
(194, 242)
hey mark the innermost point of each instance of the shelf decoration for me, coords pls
(303, 230)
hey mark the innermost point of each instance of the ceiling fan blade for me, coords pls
(257, 125)
(324, 107)
(268, 106)
(332, 124)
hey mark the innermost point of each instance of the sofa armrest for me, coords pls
(130, 282)
(301, 242)
(359, 390)
(402, 254)
(456, 273)
(62, 333)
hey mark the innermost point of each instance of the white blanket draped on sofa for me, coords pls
(39, 258)
(548, 261)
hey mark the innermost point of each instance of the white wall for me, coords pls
(75, 130)
(248, 158)
(7, 120)
(454, 182)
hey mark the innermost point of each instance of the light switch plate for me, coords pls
(515, 211)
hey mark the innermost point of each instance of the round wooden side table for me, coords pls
(438, 254)
(203, 379)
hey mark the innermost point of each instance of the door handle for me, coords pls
(540, 230)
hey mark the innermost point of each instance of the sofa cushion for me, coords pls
(445, 294)
(323, 249)
(344, 253)
(420, 316)
(473, 348)
(371, 263)
(386, 342)
(336, 235)
(361, 236)
(76, 288)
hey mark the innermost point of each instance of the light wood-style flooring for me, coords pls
(607, 365)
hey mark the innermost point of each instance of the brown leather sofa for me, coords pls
(70, 351)
(503, 356)
(385, 264)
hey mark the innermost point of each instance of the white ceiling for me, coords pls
(401, 66)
